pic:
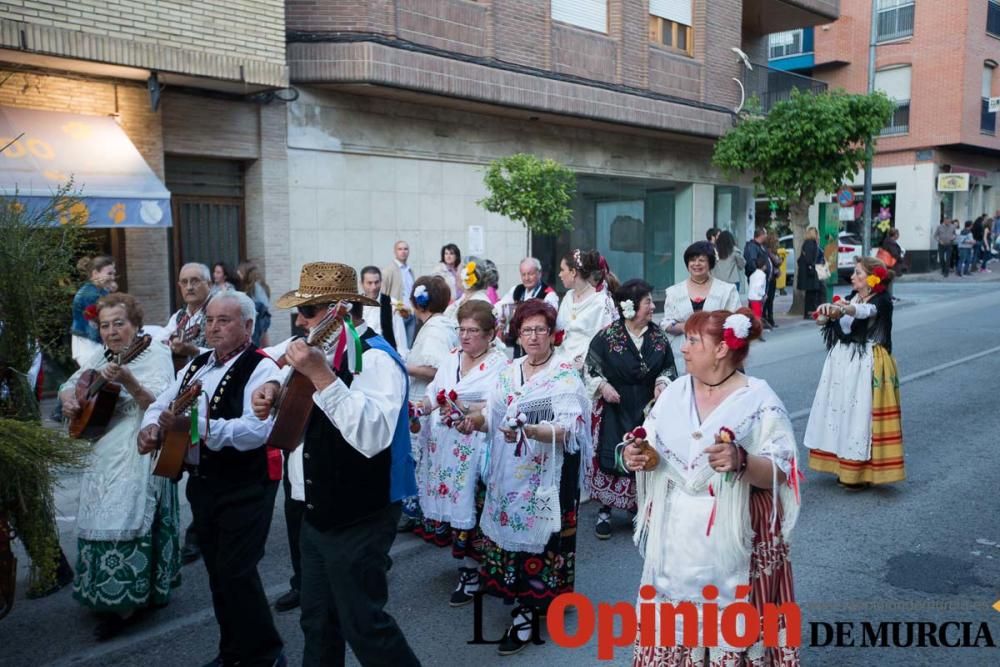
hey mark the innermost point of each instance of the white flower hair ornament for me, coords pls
(736, 331)
(421, 297)
(628, 309)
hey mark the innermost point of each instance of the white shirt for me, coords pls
(757, 289)
(551, 298)
(244, 433)
(406, 273)
(373, 318)
(365, 413)
(197, 319)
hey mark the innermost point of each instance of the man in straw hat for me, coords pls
(355, 468)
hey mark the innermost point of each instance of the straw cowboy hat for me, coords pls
(325, 282)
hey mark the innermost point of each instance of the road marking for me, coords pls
(798, 414)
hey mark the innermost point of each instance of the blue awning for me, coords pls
(115, 186)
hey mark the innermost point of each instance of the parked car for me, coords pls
(849, 247)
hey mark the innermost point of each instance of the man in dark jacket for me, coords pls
(755, 248)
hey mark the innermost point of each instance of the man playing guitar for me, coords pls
(231, 487)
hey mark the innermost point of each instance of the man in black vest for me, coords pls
(530, 287)
(383, 318)
(356, 467)
(230, 488)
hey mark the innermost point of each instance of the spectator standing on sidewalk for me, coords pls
(754, 249)
(977, 237)
(945, 234)
(966, 244)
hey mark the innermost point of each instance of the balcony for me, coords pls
(771, 86)
(993, 17)
(987, 120)
(900, 121)
(763, 17)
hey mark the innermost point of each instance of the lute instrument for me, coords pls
(97, 397)
(168, 458)
(188, 335)
(294, 403)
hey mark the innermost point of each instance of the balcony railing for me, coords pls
(895, 22)
(993, 17)
(987, 120)
(900, 121)
(771, 86)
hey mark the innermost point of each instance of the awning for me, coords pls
(115, 186)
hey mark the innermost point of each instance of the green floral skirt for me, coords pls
(121, 576)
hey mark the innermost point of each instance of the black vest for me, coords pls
(385, 316)
(342, 485)
(519, 291)
(229, 465)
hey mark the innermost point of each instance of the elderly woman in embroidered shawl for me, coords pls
(127, 523)
(538, 421)
(718, 495)
(448, 479)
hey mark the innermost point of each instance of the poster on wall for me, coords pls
(477, 241)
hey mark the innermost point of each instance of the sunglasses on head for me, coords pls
(310, 312)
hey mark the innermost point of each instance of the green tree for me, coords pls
(533, 191)
(38, 249)
(807, 145)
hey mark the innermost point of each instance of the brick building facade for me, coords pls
(215, 136)
(938, 60)
(405, 101)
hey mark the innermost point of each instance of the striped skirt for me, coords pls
(885, 465)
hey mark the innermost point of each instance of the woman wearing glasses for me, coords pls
(448, 476)
(538, 426)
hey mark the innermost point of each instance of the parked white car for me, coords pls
(848, 248)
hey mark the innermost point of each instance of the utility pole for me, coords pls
(866, 232)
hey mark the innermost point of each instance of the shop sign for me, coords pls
(953, 183)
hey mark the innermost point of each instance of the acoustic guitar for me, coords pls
(168, 458)
(189, 335)
(294, 404)
(97, 397)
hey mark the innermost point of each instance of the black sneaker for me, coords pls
(512, 642)
(603, 528)
(288, 601)
(468, 584)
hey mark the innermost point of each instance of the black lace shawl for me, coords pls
(877, 329)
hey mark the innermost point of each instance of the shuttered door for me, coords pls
(208, 208)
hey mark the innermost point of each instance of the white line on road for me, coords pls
(206, 614)
(798, 414)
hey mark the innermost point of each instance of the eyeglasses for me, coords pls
(309, 312)
(470, 331)
(529, 332)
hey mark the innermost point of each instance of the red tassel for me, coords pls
(711, 517)
(793, 480)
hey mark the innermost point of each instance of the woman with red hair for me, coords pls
(855, 428)
(717, 482)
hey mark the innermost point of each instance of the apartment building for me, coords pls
(182, 97)
(404, 102)
(938, 61)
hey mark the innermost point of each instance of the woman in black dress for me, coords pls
(628, 365)
(805, 272)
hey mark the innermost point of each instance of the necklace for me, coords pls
(578, 298)
(542, 363)
(722, 382)
(699, 282)
(473, 358)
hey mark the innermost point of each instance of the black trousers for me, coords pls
(813, 297)
(769, 301)
(944, 258)
(232, 523)
(294, 509)
(344, 592)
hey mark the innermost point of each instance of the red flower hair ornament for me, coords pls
(736, 331)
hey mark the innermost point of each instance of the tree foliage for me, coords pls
(808, 144)
(533, 191)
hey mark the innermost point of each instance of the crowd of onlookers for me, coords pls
(968, 248)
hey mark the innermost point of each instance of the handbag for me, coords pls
(548, 517)
(823, 272)
(885, 257)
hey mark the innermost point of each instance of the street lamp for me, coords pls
(866, 235)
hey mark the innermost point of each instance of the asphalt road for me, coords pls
(926, 550)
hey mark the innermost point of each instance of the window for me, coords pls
(993, 17)
(895, 19)
(987, 120)
(781, 44)
(670, 24)
(589, 14)
(895, 83)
